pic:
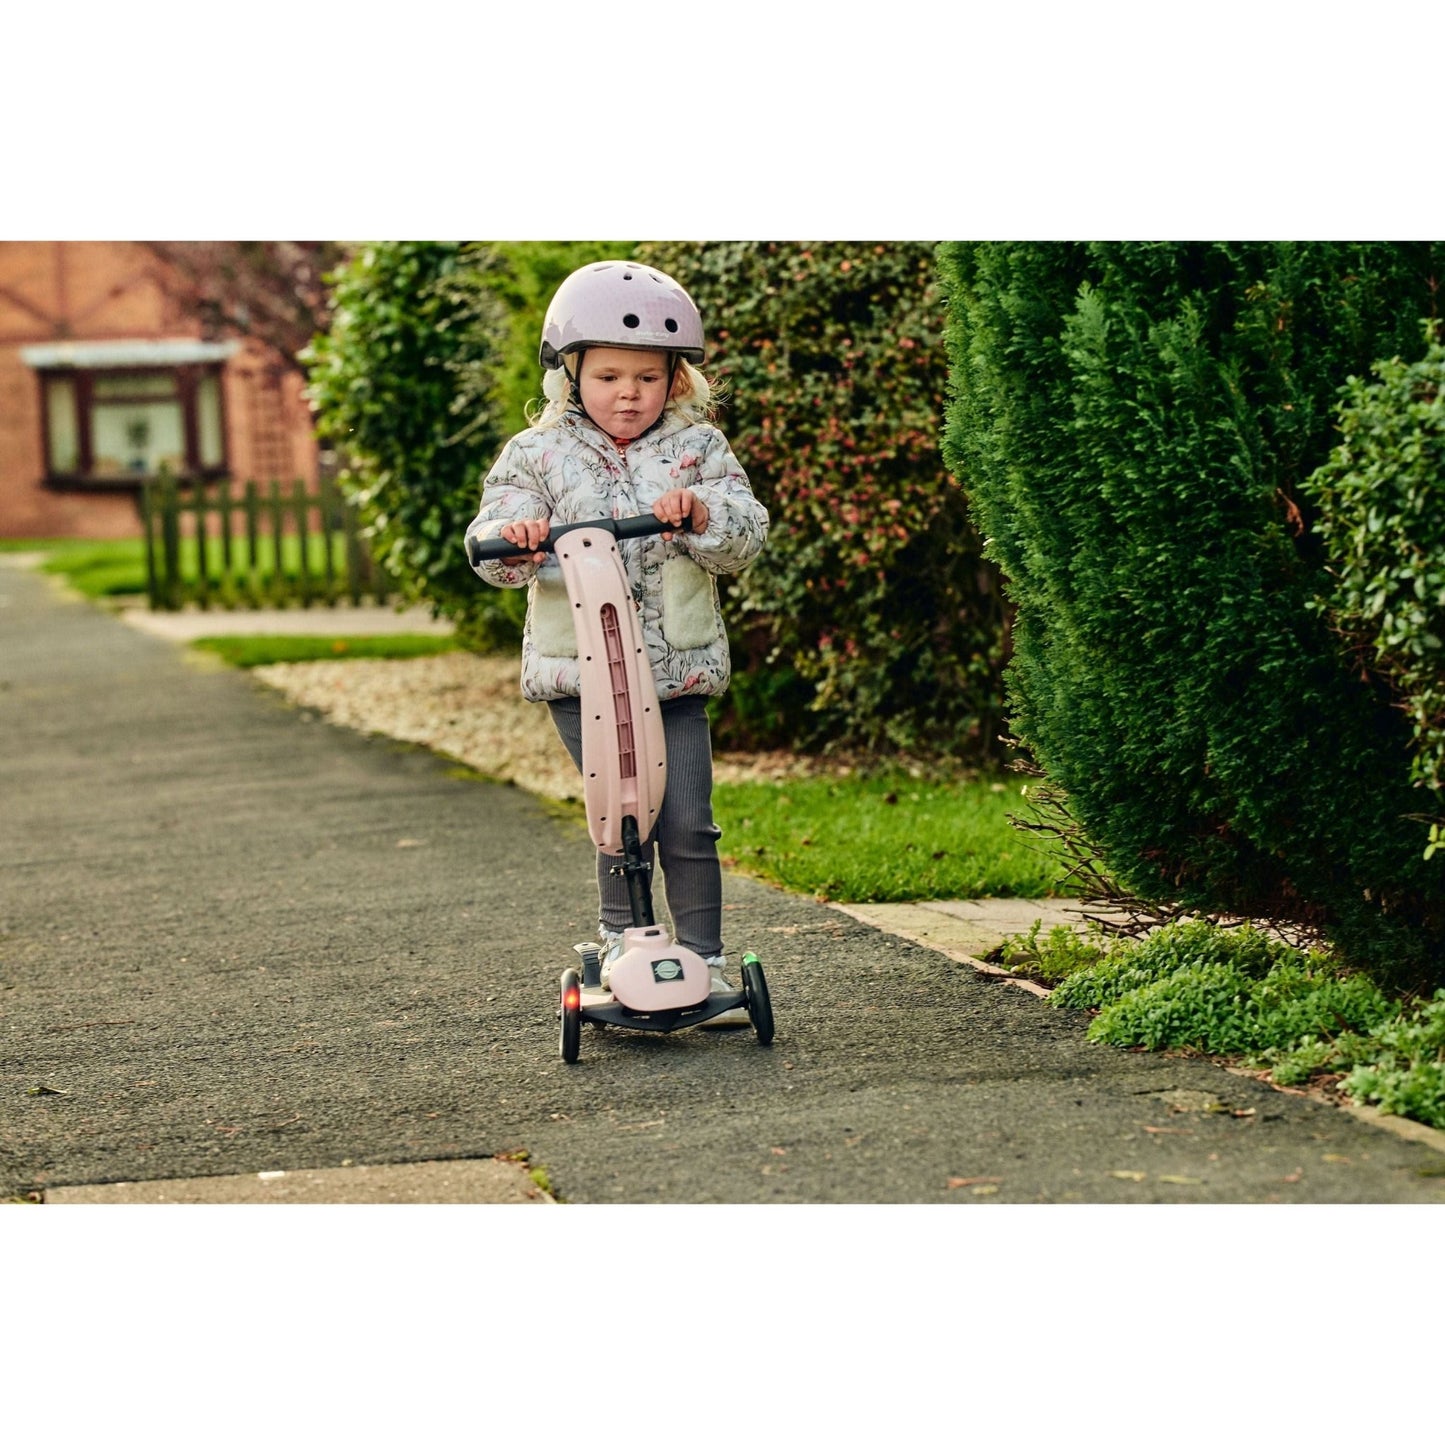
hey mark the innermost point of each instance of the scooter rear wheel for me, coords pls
(756, 1000)
(571, 1016)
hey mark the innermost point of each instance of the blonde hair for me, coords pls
(693, 396)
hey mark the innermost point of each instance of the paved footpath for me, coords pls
(248, 955)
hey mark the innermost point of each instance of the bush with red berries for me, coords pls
(871, 621)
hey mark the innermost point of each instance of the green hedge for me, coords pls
(1134, 423)
(1381, 514)
(403, 385)
(871, 619)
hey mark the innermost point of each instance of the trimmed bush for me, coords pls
(402, 385)
(1134, 423)
(871, 620)
(1381, 515)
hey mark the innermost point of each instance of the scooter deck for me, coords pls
(664, 1021)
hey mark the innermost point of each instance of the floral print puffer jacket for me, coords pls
(574, 472)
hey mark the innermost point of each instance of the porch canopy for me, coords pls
(115, 355)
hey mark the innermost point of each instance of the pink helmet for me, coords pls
(620, 303)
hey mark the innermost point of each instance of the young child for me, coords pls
(626, 431)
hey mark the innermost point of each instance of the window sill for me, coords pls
(123, 481)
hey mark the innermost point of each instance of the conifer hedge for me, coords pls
(1134, 423)
(871, 620)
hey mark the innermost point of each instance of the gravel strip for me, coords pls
(470, 708)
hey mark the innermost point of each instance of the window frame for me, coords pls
(187, 378)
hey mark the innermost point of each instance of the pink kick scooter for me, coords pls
(654, 983)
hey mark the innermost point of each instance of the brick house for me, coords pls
(105, 378)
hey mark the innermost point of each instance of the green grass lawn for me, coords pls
(118, 568)
(94, 569)
(885, 839)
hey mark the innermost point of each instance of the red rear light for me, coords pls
(572, 998)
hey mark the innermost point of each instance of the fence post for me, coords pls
(253, 544)
(326, 499)
(223, 508)
(301, 505)
(355, 563)
(148, 519)
(278, 529)
(171, 540)
(203, 571)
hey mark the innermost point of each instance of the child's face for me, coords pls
(623, 391)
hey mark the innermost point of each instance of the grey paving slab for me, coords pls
(456, 1181)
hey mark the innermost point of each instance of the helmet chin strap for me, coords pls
(572, 365)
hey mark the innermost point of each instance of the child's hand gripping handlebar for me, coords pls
(497, 549)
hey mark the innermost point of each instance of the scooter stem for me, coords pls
(637, 873)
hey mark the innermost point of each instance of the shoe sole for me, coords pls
(734, 1018)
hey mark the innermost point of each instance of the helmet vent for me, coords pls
(670, 324)
(630, 321)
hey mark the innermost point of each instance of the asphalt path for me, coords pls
(236, 940)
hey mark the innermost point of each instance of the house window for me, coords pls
(116, 414)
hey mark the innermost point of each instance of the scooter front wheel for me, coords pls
(571, 1016)
(756, 1000)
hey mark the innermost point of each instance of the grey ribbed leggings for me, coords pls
(685, 838)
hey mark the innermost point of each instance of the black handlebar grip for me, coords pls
(498, 549)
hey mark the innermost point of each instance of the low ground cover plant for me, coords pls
(1405, 1072)
(1240, 993)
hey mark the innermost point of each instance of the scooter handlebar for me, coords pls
(498, 549)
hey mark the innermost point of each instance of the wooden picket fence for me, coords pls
(212, 545)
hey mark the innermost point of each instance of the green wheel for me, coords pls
(571, 1015)
(755, 998)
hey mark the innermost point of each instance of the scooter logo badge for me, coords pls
(666, 970)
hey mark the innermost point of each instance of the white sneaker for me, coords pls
(611, 950)
(734, 1017)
